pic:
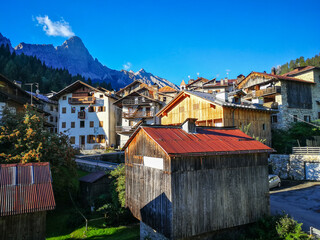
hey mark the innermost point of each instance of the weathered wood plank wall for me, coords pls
(148, 190)
(218, 192)
(31, 226)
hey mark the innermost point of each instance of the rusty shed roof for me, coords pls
(92, 177)
(25, 188)
(206, 141)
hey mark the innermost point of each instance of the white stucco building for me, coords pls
(87, 115)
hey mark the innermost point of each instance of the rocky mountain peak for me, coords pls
(5, 41)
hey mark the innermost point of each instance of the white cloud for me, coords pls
(127, 66)
(59, 28)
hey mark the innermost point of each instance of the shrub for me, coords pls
(289, 229)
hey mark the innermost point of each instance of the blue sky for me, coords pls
(175, 39)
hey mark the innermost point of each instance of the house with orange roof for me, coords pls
(296, 95)
(167, 93)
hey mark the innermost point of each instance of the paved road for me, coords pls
(300, 202)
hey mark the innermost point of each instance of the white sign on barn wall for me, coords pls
(153, 162)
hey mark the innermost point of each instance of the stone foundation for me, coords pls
(147, 233)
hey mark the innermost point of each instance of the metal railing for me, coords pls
(85, 100)
(263, 92)
(306, 150)
(136, 101)
(125, 128)
(139, 114)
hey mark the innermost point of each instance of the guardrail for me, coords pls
(138, 114)
(124, 128)
(306, 150)
(315, 232)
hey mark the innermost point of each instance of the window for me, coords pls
(56, 109)
(82, 108)
(72, 140)
(101, 139)
(56, 119)
(295, 118)
(274, 119)
(91, 124)
(101, 109)
(100, 123)
(73, 124)
(164, 99)
(91, 109)
(64, 110)
(263, 127)
(195, 106)
(51, 108)
(181, 109)
(307, 118)
(63, 125)
(82, 124)
(101, 95)
(51, 118)
(91, 139)
(73, 109)
(64, 98)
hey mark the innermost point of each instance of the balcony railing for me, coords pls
(136, 101)
(306, 150)
(264, 92)
(125, 129)
(84, 100)
(273, 105)
(82, 115)
(139, 114)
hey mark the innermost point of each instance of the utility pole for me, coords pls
(31, 85)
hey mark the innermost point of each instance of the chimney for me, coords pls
(189, 125)
(273, 71)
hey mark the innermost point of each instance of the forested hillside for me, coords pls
(29, 69)
(299, 62)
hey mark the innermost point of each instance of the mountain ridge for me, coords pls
(75, 57)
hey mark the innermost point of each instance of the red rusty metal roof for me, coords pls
(25, 188)
(207, 141)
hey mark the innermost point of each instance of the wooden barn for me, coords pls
(184, 181)
(218, 111)
(92, 186)
(25, 196)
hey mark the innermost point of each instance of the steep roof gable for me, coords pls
(206, 141)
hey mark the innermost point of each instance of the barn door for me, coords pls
(312, 171)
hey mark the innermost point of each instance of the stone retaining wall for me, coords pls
(291, 166)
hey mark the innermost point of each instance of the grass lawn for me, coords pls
(59, 229)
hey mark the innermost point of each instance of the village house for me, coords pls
(50, 107)
(219, 110)
(25, 196)
(186, 181)
(13, 97)
(296, 95)
(139, 104)
(195, 84)
(87, 115)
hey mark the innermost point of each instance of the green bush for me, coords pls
(289, 229)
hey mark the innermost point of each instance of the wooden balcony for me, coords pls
(83, 100)
(273, 105)
(139, 114)
(125, 129)
(82, 115)
(264, 92)
(136, 101)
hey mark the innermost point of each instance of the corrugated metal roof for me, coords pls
(92, 177)
(25, 188)
(207, 141)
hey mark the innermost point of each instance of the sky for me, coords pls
(173, 39)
